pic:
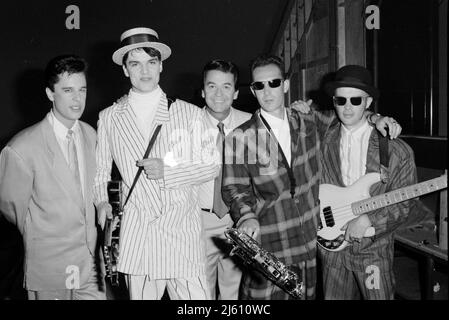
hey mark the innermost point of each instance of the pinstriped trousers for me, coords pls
(142, 288)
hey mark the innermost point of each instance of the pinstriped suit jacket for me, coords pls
(160, 234)
(402, 172)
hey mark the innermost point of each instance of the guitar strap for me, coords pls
(147, 152)
(384, 157)
(284, 160)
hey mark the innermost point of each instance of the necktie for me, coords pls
(220, 207)
(73, 158)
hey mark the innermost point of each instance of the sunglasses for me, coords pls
(259, 85)
(355, 101)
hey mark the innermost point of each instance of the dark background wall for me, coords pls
(32, 32)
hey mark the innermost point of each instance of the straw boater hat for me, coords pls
(138, 38)
(353, 76)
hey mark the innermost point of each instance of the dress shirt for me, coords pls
(60, 131)
(353, 152)
(281, 130)
(207, 188)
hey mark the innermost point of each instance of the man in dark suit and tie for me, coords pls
(46, 179)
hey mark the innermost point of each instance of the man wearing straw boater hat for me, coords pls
(351, 149)
(160, 236)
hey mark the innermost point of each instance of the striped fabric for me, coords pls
(255, 187)
(160, 234)
(344, 284)
(379, 250)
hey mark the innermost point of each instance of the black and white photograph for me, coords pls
(203, 154)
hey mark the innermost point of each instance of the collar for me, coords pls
(59, 128)
(357, 132)
(214, 122)
(273, 121)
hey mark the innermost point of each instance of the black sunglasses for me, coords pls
(259, 85)
(355, 101)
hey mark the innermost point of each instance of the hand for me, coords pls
(301, 106)
(104, 211)
(153, 167)
(356, 228)
(250, 227)
(394, 128)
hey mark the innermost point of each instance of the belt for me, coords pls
(208, 210)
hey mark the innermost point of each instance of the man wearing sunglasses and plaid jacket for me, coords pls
(271, 177)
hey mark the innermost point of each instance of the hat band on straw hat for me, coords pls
(138, 38)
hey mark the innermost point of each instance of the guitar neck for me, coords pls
(399, 195)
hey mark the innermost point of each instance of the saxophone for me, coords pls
(265, 262)
(112, 232)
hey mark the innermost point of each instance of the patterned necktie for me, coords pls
(73, 158)
(220, 207)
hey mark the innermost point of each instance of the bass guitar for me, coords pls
(340, 205)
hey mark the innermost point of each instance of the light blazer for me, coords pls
(38, 194)
(160, 234)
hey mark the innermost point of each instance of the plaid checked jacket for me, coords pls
(378, 250)
(256, 183)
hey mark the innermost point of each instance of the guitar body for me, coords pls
(336, 211)
(340, 205)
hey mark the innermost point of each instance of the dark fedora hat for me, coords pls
(139, 38)
(353, 76)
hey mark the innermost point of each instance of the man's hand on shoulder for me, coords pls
(301, 106)
(383, 123)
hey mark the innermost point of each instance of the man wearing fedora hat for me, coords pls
(160, 236)
(351, 149)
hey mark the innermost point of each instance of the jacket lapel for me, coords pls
(294, 123)
(331, 153)
(373, 156)
(125, 122)
(267, 141)
(60, 168)
(89, 164)
(161, 117)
